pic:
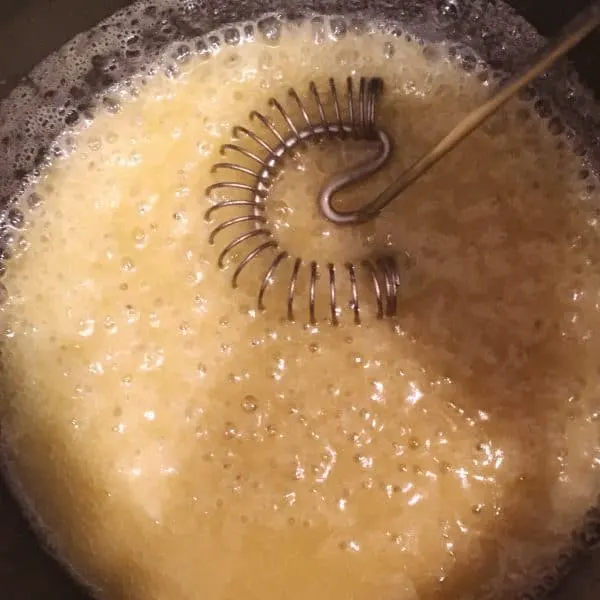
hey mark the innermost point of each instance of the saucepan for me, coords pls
(31, 30)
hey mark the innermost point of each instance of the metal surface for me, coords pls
(352, 117)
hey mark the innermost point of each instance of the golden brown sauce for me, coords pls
(176, 445)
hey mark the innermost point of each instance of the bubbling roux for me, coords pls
(176, 445)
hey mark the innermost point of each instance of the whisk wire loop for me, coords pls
(325, 119)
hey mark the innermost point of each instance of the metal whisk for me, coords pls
(357, 121)
(354, 118)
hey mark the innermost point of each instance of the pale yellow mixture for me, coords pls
(176, 444)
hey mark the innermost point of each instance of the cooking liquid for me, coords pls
(175, 444)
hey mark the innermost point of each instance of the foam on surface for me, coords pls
(171, 440)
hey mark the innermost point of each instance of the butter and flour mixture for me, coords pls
(176, 444)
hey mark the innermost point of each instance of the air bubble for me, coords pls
(468, 61)
(232, 36)
(357, 360)
(5, 254)
(181, 54)
(396, 538)
(16, 218)
(9, 238)
(333, 390)
(270, 30)
(249, 32)
(34, 201)
(318, 30)
(71, 118)
(231, 431)
(445, 467)
(94, 144)
(110, 325)
(338, 28)
(202, 49)
(365, 462)
(250, 403)
(449, 12)
(111, 105)
(139, 237)
(358, 26)
(203, 148)
(22, 244)
(127, 265)
(350, 546)
(414, 443)
(214, 43)
(388, 50)
(86, 327)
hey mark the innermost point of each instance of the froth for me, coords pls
(63, 90)
(256, 415)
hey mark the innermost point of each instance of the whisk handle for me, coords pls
(577, 30)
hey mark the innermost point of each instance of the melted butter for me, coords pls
(176, 445)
